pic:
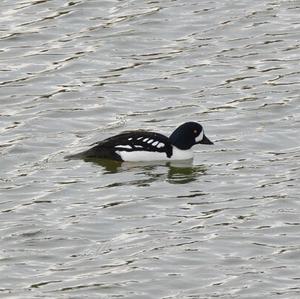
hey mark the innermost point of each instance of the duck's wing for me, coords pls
(137, 141)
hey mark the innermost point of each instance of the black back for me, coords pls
(131, 141)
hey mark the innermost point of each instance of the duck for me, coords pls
(143, 146)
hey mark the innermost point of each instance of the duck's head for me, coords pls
(187, 135)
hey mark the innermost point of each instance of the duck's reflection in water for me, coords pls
(174, 172)
(182, 174)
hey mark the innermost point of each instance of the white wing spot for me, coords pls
(150, 141)
(138, 146)
(146, 139)
(130, 138)
(123, 146)
(155, 143)
(140, 138)
(160, 145)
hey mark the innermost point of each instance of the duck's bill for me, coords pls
(205, 140)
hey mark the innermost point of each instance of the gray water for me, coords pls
(75, 72)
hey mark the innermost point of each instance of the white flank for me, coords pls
(139, 156)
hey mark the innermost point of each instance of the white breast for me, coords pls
(139, 156)
(182, 154)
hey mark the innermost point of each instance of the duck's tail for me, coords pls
(75, 156)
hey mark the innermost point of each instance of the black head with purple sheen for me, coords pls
(187, 135)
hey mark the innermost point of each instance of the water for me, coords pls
(75, 72)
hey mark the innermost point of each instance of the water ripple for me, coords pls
(75, 72)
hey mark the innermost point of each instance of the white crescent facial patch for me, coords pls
(200, 137)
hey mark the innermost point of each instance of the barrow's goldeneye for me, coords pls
(148, 146)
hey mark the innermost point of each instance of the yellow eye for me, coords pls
(195, 132)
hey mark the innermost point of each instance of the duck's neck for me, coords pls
(180, 143)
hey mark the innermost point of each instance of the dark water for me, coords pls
(75, 72)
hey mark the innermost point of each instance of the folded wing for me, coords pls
(138, 141)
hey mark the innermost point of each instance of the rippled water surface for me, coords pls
(75, 72)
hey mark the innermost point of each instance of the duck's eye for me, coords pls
(195, 132)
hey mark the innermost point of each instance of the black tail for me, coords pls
(75, 156)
